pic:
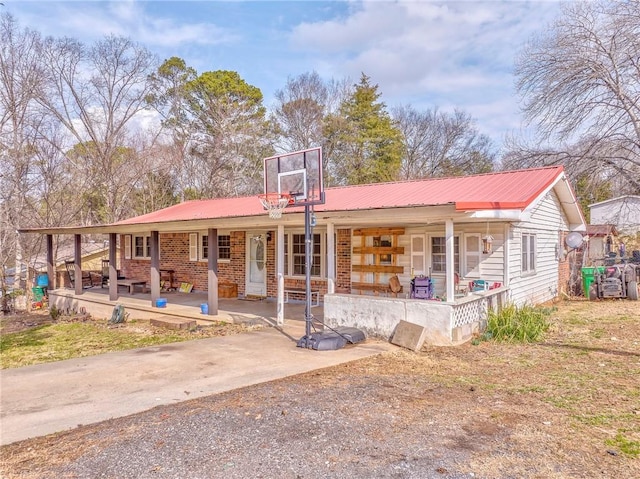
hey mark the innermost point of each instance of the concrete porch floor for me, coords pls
(182, 305)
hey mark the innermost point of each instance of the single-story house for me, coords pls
(483, 240)
(623, 212)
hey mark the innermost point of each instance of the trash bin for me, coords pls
(589, 276)
(38, 293)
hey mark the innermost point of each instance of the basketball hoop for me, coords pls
(275, 203)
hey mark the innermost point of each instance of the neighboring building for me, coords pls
(505, 228)
(623, 212)
(602, 241)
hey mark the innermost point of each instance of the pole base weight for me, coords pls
(331, 340)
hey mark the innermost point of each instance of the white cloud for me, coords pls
(94, 20)
(445, 54)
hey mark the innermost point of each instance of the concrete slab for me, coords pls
(169, 322)
(409, 335)
(47, 398)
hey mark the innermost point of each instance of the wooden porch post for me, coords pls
(113, 268)
(155, 267)
(77, 263)
(280, 275)
(212, 272)
(50, 265)
(331, 259)
(450, 260)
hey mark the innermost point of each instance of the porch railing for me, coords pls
(475, 307)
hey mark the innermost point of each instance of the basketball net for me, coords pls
(275, 203)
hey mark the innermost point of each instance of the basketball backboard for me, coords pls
(298, 174)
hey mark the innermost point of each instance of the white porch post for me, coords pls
(506, 249)
(450, 260)
(331, 259)
(280, 274)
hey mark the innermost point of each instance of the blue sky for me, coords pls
(423, 53)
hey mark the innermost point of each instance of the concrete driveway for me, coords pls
(47, 398)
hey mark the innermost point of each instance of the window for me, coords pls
(528, 253)
(142, 246)
(294, 255)
(224, 246)
(439, 254)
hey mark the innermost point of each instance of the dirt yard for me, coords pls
(568, 407)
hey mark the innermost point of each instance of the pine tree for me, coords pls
(365, 144)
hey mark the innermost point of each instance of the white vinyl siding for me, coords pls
(536, 286)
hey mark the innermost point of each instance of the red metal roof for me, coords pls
(493, 191)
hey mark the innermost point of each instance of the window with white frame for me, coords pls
(200, 250)
(224, 247)
(141, 246)
(528, 253)
(295, 254)
(439, 254)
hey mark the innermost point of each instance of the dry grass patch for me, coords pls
(565, 407)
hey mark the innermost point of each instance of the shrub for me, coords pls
(524, 324)
(54, 312)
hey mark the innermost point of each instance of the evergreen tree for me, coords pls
(365, 144)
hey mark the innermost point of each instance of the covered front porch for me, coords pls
(446, 323)
(97, 302)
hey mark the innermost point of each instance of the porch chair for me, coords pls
(105, 273)
(71, 274)
(460, 290)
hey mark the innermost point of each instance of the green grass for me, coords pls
(524, 324)
(56, 342)
(626, 446)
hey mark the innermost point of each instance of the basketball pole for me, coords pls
(308, 261)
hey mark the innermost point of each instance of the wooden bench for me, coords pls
(376, 288)
(303, 292)
(132, 283)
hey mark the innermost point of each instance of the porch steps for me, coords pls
(173, 322)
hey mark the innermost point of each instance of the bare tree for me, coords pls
(580, 83)
(96, 94)
(21, 79)
(441, 144)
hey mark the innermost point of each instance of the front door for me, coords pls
(256, 265)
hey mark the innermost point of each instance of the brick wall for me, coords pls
(174, 248)
(564, 269)
(174, 255)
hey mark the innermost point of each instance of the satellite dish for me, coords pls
(574, 240)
